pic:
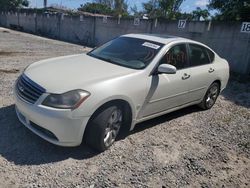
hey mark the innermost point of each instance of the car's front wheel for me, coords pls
(104, 127)
(211, 96)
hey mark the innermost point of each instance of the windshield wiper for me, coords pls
(103, 58)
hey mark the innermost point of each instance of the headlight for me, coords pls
(69, 100)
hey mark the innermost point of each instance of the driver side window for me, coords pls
(176, 56)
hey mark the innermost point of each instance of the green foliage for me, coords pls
(162, 8)
(13, 4)
(110, 7)
(231, 9)
(96, 8)
(120, 8)
(152, 9)
(199, 13)
(184, 16)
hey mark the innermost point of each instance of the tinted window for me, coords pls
(198, 55)
(176, 56)
(211, 55)
(129, 52)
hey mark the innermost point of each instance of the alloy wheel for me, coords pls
(113, 127)
(212, 96)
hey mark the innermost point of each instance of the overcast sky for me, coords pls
(187, 5)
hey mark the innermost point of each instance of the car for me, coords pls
(130, 79)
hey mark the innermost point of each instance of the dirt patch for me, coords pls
(6, 53)
(9, 71)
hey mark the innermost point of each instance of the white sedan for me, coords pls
(128, 80)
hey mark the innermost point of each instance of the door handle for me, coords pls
(211, 70)
(185, 76)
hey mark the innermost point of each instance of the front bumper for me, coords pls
(57, 126)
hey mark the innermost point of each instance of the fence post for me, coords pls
(59, 19)
(151, 21)
(94, 32)
(248, 58)
(18, 17)
(35, 17)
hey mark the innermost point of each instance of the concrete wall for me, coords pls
(224, 37)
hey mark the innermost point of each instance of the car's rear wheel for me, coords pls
(104, 127)
(211, 96)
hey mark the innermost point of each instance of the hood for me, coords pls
(61, 74)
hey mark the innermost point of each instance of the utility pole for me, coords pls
(44, 3)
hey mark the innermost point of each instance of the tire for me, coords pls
(210, 96)
(103, 128)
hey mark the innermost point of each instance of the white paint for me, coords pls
(151, 45)
(81, 18)
(137, 21)
(156, 21)
(245, 27)
(119, 19)
(182, 24)
(209, 25)
(105, 19)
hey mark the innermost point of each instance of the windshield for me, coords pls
(128, 52)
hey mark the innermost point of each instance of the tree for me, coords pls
(111, 7)
(152, 8)
(231, 9)
(109, 3)
(170, 7)
(183, 16)
(13, 4)
(58, 6)
(162, 8)
(120, 8)
(199, 13)
(44, 3)
(96, 8)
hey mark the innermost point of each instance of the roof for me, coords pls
(165, 39)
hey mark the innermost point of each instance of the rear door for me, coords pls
(202, 71)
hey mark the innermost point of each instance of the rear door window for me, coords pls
(198, 55)
(211, 55)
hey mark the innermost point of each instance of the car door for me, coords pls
(168, 90)
(202, 71)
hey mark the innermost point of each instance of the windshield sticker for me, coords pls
(151, 45)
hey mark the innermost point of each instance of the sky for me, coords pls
(187, 5)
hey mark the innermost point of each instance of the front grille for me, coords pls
(28, 90)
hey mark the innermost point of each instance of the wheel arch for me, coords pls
(127, 108)
(219, 82)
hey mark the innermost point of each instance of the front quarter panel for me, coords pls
(131, 88)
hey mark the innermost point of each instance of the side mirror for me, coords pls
(166, 69)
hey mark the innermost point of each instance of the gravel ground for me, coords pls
(187, 148)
